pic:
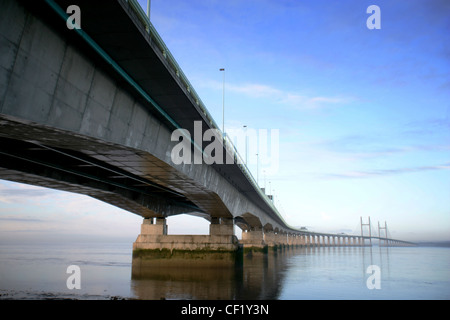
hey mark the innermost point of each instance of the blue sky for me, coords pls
(363, 115)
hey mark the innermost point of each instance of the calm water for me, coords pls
(39, 272)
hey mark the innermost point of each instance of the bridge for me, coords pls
(91, 109)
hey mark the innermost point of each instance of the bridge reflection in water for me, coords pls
(261, 276)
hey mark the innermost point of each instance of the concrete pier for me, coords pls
(253, 241)
(155, 248)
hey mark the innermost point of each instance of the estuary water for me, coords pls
(406, 273)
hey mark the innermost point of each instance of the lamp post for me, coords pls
(223, 101)
(246, 150)
(257, 169)
(264, 173)
(148, 8)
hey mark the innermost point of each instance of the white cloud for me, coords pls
(279, 96)
(255, 90)
(14, 192)
(377, 173)
(50, 213)
(304, 102)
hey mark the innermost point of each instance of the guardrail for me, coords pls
(229, 146)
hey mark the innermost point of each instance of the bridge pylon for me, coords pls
(362, 232)
(385, 238)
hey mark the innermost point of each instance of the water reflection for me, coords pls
(262, 276)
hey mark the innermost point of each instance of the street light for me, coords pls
(264, 173)
(223, 101)
(257, 169)
(148, 8)
(246, 151)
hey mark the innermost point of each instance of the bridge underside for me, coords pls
(42, 156)
(130, 179)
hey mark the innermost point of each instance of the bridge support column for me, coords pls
(285, 239)
(290, 240)
(253, 241)
(154, 248)
(281, 240)
(297, 241)
(308, 240)
(272, 240)
(302, 240)
(151, 227)
(221, 227)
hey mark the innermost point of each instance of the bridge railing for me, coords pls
(246, 172)
(229, 146)
(157, 40)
